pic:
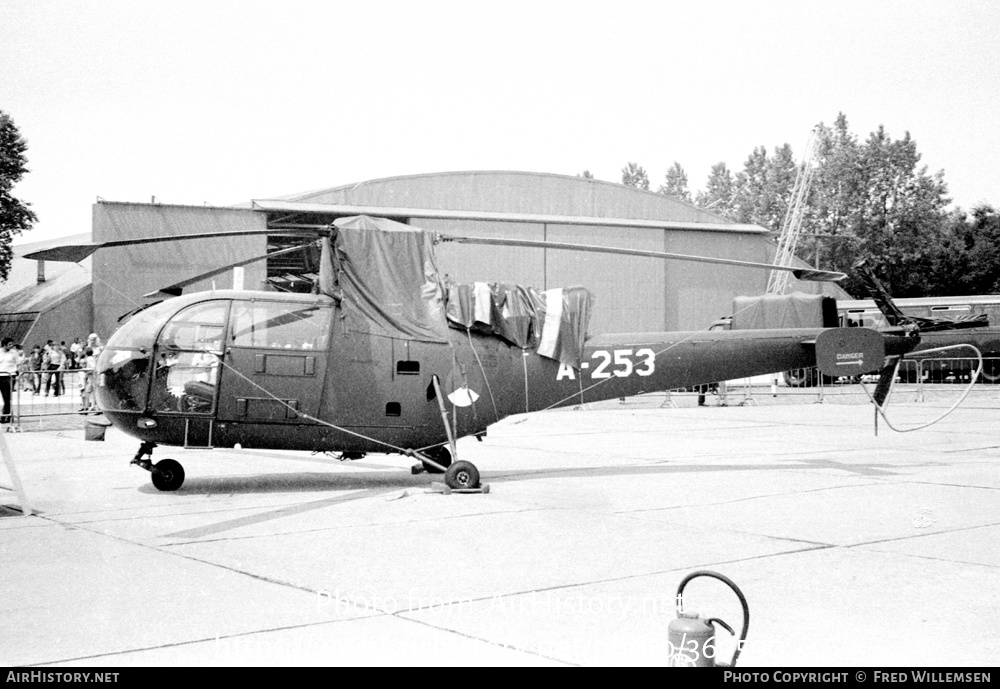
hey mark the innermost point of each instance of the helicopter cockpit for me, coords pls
(171, 358)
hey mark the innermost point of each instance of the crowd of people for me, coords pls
(43, 369)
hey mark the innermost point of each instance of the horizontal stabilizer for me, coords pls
(849, 351)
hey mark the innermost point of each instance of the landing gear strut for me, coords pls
(441, 457)
(167, 474)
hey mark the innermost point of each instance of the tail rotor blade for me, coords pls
(886, 376)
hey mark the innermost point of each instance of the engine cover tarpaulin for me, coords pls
(385, 276)
(555, 322)
(796, 310)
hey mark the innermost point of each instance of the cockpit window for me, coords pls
(198, 327)
(139, 330)
(278, 325)
(188, 357)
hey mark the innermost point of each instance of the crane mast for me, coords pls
(791, 228)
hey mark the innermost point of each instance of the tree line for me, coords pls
(868, 199)
(15, 215)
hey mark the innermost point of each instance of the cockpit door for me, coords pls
(275, 361)
(186, 360)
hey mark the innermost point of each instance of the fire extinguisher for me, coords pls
(691, 638)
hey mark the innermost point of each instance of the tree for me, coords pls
(720, 192)
(902, 222)
(676, 183)
(779, 180)
(837, 195)
(968, 259)
(750, 201)
(15, 216)
(586, 174)
(868, 200)
(634, 175)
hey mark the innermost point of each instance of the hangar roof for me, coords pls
(44, 295)
(273, 205)
(22, 297)
(22, 292)
(511, 192)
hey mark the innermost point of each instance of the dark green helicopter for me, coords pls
(389, 357)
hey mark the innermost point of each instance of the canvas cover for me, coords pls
(554, 322)
(796, 310)
(385, 277)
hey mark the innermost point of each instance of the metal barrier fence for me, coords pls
(37, 394)
(914, 376)
(938, 370)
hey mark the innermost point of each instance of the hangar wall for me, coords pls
(122, 275)
(69, 319)
(634, 294)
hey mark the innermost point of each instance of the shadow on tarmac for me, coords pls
(391, 480)
(297, 483)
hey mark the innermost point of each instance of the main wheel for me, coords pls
(441, 455)
(168, 475)
(991, 371)
(462, 475)
(800, 378)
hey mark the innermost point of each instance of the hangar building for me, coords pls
(634, 294)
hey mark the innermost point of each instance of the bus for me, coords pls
(952, 366)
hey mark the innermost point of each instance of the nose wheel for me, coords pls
(167, 474)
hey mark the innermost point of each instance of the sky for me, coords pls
(221, 102)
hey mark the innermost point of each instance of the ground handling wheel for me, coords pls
(441, 455)
(462, 475)
(991, 371)
(168, 475)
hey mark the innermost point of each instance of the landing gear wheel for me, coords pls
(462, 475)
(991, 371)
(441, 455)
(800, 378)
(168, 475)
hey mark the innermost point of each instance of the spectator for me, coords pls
(76, 354)
(94, 342)
(24, 380)
(35, 366)
(89, 365)
(8, 371)
(56, 366)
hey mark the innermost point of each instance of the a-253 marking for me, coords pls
(620, 363)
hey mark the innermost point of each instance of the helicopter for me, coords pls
(390, 357)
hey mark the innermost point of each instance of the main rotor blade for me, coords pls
(800, 273)
(177, 288)
(74, 253)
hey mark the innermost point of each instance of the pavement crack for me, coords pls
(911, 537)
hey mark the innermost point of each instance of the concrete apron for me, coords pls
(851, 549)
